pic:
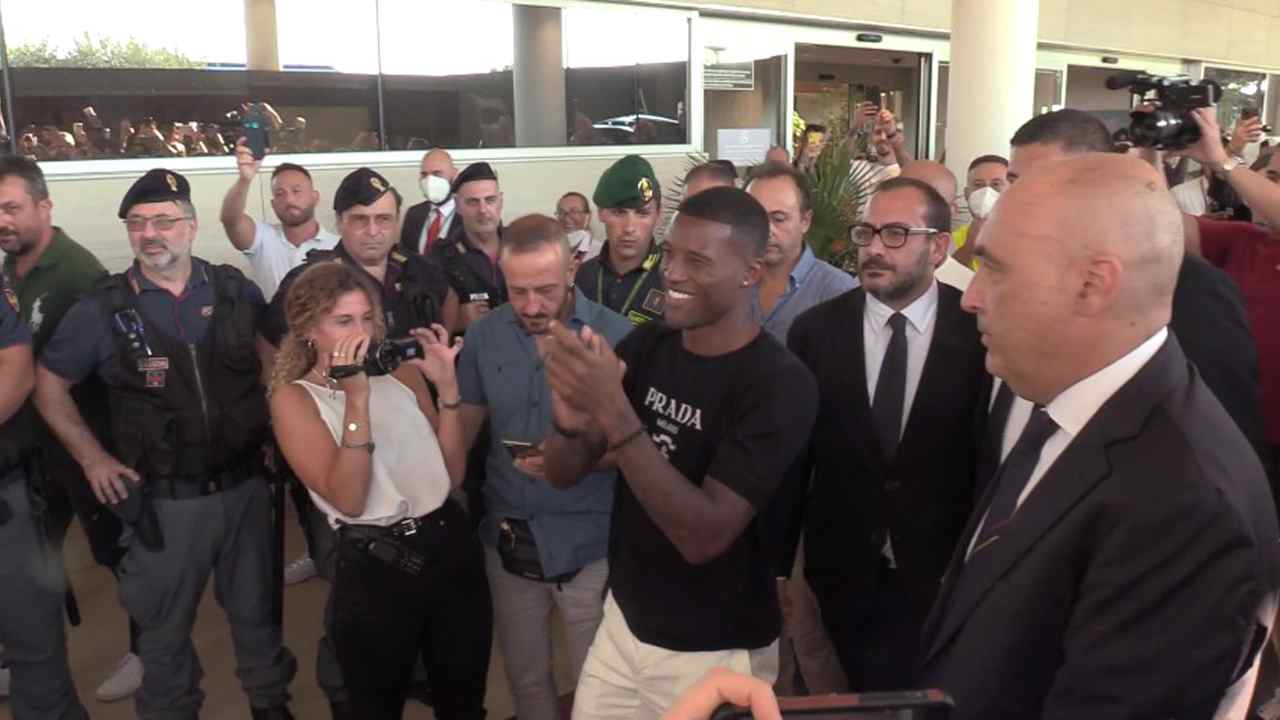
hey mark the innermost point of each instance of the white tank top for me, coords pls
(409, 475)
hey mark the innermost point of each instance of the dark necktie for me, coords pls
(998, 418)
(891, 388)
(1015, 472)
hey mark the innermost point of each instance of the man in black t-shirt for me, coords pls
(703, 415)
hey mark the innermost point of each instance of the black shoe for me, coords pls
(276, 713)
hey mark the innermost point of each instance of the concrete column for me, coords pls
(993, 73)
(538, 76)
(263, 53)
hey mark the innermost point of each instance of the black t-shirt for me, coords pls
(741, 418)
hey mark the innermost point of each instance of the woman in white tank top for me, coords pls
(409, 578)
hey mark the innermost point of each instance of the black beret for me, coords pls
(360, 187)
(157, 185)
(474, 172)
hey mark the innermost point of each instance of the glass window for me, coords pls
(626, 76)
(452, 88)
(329, 75)
(1240, 91)
(103, 82)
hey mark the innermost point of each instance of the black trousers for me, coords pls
(381, 620)
(875, 630)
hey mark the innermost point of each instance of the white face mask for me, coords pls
(982, 200)
(435, 188)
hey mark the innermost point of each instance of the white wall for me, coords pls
(86, 207)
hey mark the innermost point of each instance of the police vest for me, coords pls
(469, 284)
(416, 304)
(19, 438)
(186, 411)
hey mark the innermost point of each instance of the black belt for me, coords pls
(409, 527)
(186, 488)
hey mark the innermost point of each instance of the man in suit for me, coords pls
(1209, 316)
(1117, 563)
(900, 370)
(430, 221)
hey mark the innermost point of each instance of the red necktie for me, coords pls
(433, 232)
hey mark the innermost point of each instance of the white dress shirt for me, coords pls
(953, 272)
(445, 211)
(1072, 409)
(272, 256)
(921, 315)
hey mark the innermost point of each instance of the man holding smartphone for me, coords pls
(543, 546)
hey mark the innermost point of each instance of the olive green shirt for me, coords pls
(63, 274)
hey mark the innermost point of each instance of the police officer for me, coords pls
(173, 338)
(624, 277)
(32, 581)
(415, 292)
(49, 272)
(471, 260)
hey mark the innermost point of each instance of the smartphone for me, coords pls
(873, 95)
(519, 448)
(256, 135)
(914, 704)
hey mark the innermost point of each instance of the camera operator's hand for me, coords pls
(439, 359)
(351, 350)
(245, 162)
(106, 476)
(888, 124)
(1208, 150)
(1246, 131)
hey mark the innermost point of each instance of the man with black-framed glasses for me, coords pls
(901, 375)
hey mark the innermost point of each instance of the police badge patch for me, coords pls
(654, 301)
(11, 297)
(173, 182)
(377, 184)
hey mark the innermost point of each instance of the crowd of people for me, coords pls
(1029, 461)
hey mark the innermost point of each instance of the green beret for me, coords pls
(628, 183)
(157, 185)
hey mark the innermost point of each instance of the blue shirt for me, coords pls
(500, 370)
(812, 282)
(84, 341)
(12, 331)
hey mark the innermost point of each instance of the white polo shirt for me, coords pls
(272, 256)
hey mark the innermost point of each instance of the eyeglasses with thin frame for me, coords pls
(893, 236)
(162, 223)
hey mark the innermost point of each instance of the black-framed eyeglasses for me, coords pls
(162, 223)
(893, 236)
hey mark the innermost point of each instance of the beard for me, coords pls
(293, 216)
(906, 278)
(14, 243)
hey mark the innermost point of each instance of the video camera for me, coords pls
(382, 358)
(1170, 126)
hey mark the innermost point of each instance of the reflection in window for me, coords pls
(106, 83)
(626, 76)
(103, 83)
(1240, 91)
(453, 87)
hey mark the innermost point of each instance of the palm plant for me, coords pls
(838, 190)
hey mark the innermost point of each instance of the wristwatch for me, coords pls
(1231, 163)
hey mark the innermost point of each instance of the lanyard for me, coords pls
(648, 268)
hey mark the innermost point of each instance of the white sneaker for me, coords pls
(300, 570)
(124, 681)
(4, 683)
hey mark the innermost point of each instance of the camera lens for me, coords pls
(1163, 129)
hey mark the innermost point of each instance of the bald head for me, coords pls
(438, 162)
(1078, 265)
(936, 175)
